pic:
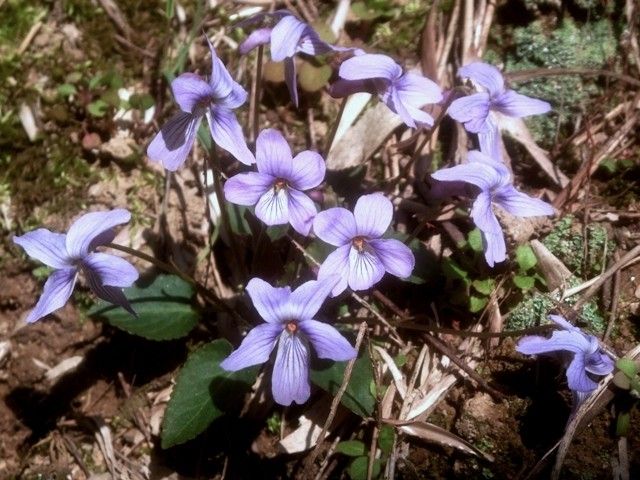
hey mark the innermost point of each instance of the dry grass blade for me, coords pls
(363, 138)
(432, 433)
(555, 273)
(519, 131)
(398, 378)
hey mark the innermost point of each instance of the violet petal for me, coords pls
(113, 271)
(247, 188)
(227, 134)
(173, 142)
(327, 341)
(55, 294)
(396, 257)
(336, 226)
(290, 380)
(336, 264)
(86, 228)
(254, 349)
(45, 246)
(270, 302)
(373, 214)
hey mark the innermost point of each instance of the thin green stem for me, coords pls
(257, 93)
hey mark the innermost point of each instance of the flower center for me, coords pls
(279, 184)
(359, 243)
(292, 326)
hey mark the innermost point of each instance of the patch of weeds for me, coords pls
(18, 17)
(569, 45)
(566, 241)
(534, 308)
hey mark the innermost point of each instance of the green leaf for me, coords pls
(627, 366)
(358, 397)
(98, 108)
(363, 11)
(525, 258)
(620, 380)
(202, 393)
(352, 448)
(524, 282)
(141, 101)
(312, 78)
(485, 286)
(169, 9)
(66, 90)
(164, 307)
(474, 239)
(385, 438)
(477, 303)
(622, 425)
(358, 468)
(452, 270)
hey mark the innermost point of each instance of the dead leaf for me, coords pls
(432, 433)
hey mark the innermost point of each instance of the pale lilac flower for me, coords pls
(290, 324)
(72, 252)
(474, 110)
(276, 188)
(362, 256)
(196, 98)
(586, 356)
(496, 187)
(288, 37)
(403, 92)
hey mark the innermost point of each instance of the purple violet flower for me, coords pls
(71, 253)
(495, 184)
(288, 37)
(290, 324)
(196, 98)
(362, 256)
(474, 110)
(404, 93)
(587, 357)
(276, 188)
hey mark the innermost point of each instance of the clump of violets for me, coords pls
(362, 256)
(216, 99)
(587, 361)
(71, 253)
(475, 110)
(404, 93)
(289, 324)
(276, 189)
(287, 37)
(495, 185)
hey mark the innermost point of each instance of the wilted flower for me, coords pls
(404, 93)
(587, 357)
(276, 188)
(196, 98)
(362, 256)
(474, 110)
(287, 37)
(290, 324)
(495, 184)
(71, 253)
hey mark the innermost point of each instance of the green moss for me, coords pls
(535, 308)
(592, 46)
(566, 241)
